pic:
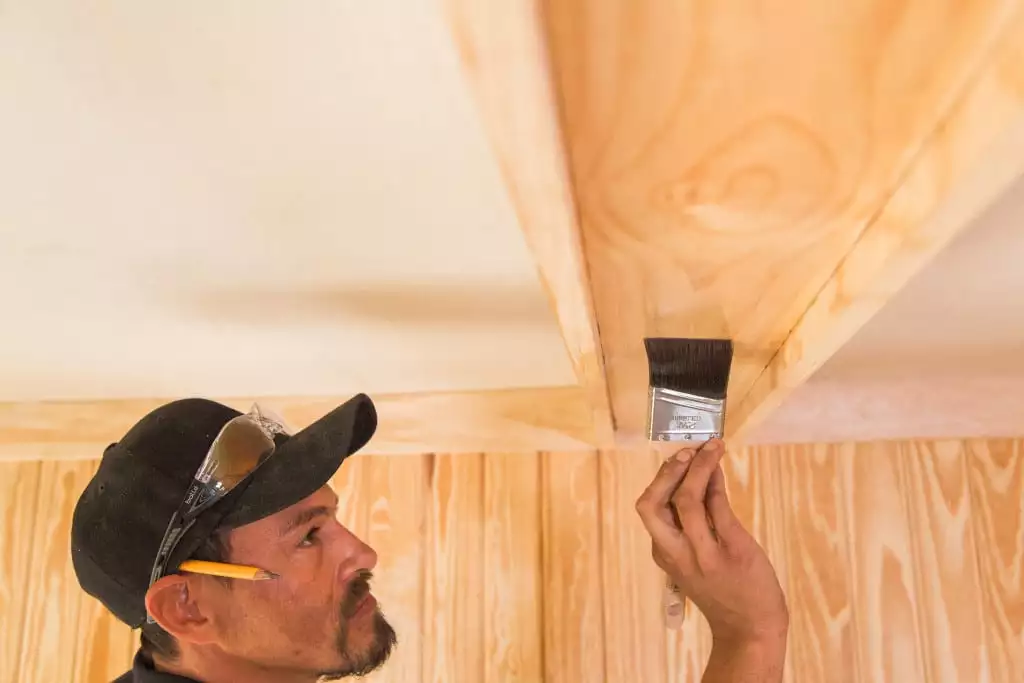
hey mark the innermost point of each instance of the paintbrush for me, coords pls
(685, 403)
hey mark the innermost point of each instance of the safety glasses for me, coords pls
(242, 445)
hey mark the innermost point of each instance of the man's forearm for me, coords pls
(759, 662)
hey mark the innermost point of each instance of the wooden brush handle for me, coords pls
(673, 605)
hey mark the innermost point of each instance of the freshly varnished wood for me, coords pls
(503, 51)
(997, 504)
(635, 640)
(725, 158)
(53, 596)
(901, 562)
(557, 418)
(889, 632)
(513, 603)
(818, 557)
(396, 492)
(454, 637)
(19, 491)
(974, 155)
(934, 479)
(574, 629)
(101, 644)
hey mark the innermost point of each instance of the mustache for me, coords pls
(358, 588)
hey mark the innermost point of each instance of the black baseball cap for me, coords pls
(121, 516)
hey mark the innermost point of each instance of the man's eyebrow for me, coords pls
(306, 516)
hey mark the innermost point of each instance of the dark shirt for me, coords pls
(143, 672)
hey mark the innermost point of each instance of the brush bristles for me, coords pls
(693, 366)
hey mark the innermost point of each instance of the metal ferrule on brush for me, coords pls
(678, 416)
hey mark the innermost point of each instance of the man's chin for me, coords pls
(367, 646)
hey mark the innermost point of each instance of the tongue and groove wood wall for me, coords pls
(902, 561)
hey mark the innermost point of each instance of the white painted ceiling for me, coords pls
(944, 357)
(253, 198)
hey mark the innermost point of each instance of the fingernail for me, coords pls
(684, 455)
(714, 445)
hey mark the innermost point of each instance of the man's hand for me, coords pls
(698, 541)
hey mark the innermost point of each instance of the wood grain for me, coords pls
(454, 596)
(974, 155)
(889, 632)
(512, 565)
(54, 598)
(503, 53)
(104, 646)
(818, 557)
(556, 418)
(725, 159)
(574, 629)
(19, 491)
(901, 561)
(396, 494)
(635, 641)
(949, 596)
(997, 495)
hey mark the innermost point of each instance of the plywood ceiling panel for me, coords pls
(727, 157)
(268, 199)
(944, 358)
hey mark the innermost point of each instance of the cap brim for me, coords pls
(305, 462)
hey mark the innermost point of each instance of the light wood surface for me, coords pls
(301, 202)
(901, 562)
(975, 154)
(726, 160)
(504, 55)
(525, 419)
(997, 504)
(454, 633)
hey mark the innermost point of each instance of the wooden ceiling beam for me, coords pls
(974, 156)
(725, 162)
(503, 53)
(550, 418)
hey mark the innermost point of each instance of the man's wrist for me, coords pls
(759, 659)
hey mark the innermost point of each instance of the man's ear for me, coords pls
(172, 604)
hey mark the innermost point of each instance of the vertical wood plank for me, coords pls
(54, 596)
(397, 497)
(453, 614)
(513, 599)
(104, 646)
(634, 628)
(818, 579)
(889, 643)
(949, 598)
(997, 504)
(19, 490)
(573, 617)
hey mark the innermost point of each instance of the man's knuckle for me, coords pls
(686, 498)
(643, 504)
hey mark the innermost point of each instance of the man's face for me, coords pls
(318, 615)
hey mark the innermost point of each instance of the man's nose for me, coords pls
(355, 555)
(367, 555)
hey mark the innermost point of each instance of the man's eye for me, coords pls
(310, 538)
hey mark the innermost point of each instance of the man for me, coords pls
(196, 480)
(264, 504)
